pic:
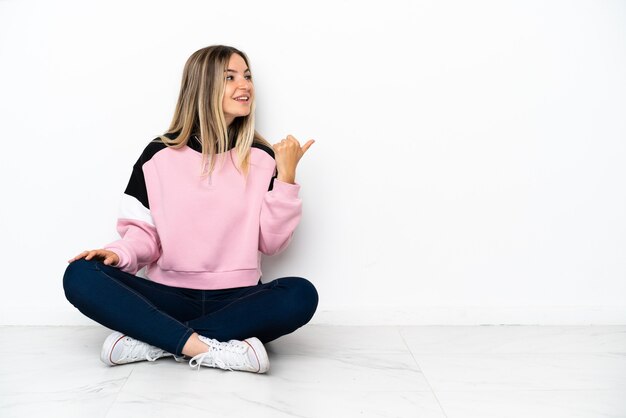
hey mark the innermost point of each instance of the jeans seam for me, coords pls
(148, 301)
(141, 282)
(183, 340)
(238, 299)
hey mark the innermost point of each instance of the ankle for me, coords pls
(195, 346)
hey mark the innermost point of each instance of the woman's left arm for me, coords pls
(282, 208)
(281, 211)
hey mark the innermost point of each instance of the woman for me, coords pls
(201, 234)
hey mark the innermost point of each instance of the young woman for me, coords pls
(200, 233)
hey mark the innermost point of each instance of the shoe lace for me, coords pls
(224, 355)
(138, 350)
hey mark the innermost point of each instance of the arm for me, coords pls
(139, 244)
(281, 211)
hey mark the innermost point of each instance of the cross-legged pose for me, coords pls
(203, 202)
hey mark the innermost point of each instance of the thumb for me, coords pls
(307, 145)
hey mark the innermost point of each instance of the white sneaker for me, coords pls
(121, 349)
(248, 355)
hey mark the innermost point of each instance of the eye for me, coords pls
(248, 76)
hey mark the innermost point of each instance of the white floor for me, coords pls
(330, 371)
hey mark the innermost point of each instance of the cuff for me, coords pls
(286, 189)
(121, 254)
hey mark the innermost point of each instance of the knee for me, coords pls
(76, 279)
(304, 297)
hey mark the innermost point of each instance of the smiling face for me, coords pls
(238, 80)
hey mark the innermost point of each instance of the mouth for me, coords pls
(242, 99)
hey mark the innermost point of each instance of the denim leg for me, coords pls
(266, 311)
(145, 310)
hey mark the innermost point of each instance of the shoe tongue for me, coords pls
(231, 345)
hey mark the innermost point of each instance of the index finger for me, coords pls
(77, 257)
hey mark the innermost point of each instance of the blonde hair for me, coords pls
(199, 110)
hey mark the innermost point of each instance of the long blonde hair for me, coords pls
(199, 110)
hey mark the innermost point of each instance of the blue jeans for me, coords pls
(166, 316)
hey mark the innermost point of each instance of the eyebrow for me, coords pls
(234, 71)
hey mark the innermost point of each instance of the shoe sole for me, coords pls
(260, 353)
(107, 348)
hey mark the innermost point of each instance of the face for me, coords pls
(238, 81)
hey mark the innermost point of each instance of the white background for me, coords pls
(469, 164)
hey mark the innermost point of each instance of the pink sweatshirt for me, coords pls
(203, 233)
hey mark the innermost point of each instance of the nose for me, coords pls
(245, 85)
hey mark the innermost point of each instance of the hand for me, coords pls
(110, 258)
(287, 154)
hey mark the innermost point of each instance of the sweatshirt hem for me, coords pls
(204, 280)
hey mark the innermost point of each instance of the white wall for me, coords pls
(468, 165)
